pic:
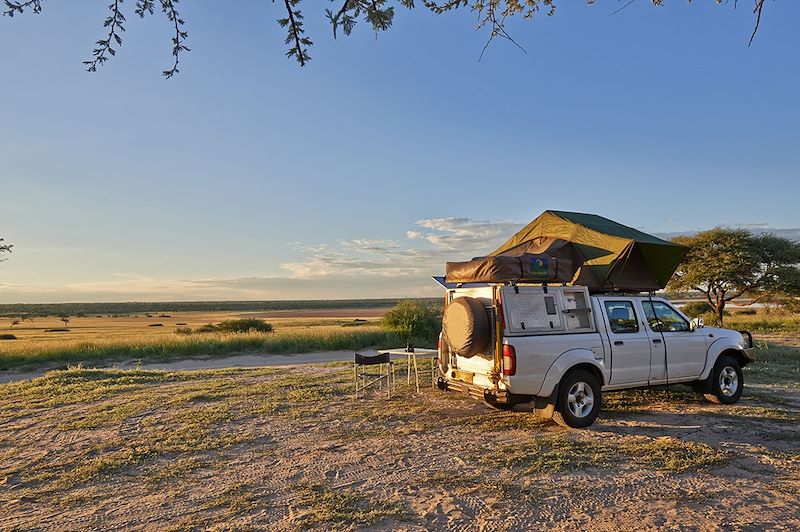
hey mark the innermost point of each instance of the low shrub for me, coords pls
(244, 325)
(696, 309)
(418, 321)
(7, 336)
(183, 330)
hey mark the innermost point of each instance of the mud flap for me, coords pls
(544, 407)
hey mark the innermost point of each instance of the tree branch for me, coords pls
(168, 7)
(335, 18)
(757, 10)
(294, 22)
(113, 22)
(13, 8)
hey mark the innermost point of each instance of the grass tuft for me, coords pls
(317, 505)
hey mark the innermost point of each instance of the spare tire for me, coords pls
(465, 327)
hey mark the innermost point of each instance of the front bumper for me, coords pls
(750, 347)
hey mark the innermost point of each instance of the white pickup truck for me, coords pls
(561, 347)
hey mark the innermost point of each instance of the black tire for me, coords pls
(726, 382)
(573, 391)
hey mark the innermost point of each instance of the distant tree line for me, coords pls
(93, 309)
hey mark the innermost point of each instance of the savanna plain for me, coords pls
(89, 446)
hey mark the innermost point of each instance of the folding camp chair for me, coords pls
(384, 373)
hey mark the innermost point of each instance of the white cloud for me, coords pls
(422, 254)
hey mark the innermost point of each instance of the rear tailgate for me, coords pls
(475, 370)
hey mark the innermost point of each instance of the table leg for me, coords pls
(416, 372)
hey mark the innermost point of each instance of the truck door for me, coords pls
(630, 345)
(686, 349)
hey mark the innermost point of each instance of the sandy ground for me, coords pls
(238, 361)
(434, 461)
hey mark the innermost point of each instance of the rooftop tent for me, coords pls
(603, 254)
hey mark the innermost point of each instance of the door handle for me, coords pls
(656, 340)
(618, 342)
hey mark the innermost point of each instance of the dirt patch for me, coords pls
(288, 448)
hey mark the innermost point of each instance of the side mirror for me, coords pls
(696, 323)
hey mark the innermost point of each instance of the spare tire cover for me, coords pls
(465, 326)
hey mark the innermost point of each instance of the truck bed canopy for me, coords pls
(584, 249)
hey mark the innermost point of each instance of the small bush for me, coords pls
(183, 330)
(244, 325)
(416, 320)
(156, 325)
(7, 336)
(695, 309)
(746, 312)
(791, 304)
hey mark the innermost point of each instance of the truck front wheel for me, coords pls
(725, 382)
(579, 400)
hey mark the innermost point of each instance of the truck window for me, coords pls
(621, 317)
(663, 318)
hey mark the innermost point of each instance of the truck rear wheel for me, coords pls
(725, 382)
(579, 399)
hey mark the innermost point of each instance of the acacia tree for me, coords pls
(378, 14)
(724, 264)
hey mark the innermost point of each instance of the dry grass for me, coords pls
(103, 339)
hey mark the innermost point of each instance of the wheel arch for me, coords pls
(736, 354)
(723, 347)
(567, 362)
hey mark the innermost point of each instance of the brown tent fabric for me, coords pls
(505, 268)
(600, 253)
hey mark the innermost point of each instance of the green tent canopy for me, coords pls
(604, 254)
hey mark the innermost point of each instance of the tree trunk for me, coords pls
(720, 311)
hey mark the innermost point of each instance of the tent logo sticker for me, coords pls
(539, 268)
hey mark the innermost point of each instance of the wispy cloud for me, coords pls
(421, 254)
(349, 268)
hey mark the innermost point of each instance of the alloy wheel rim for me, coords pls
(580, 399)
(728, 381)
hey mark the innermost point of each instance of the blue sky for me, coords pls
(248, 177)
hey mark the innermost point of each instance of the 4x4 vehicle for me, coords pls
(561, 347)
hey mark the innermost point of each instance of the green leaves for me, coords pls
(298, 43)
(724, 264)
(12, 8)
(115, 24)
(417, 320)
